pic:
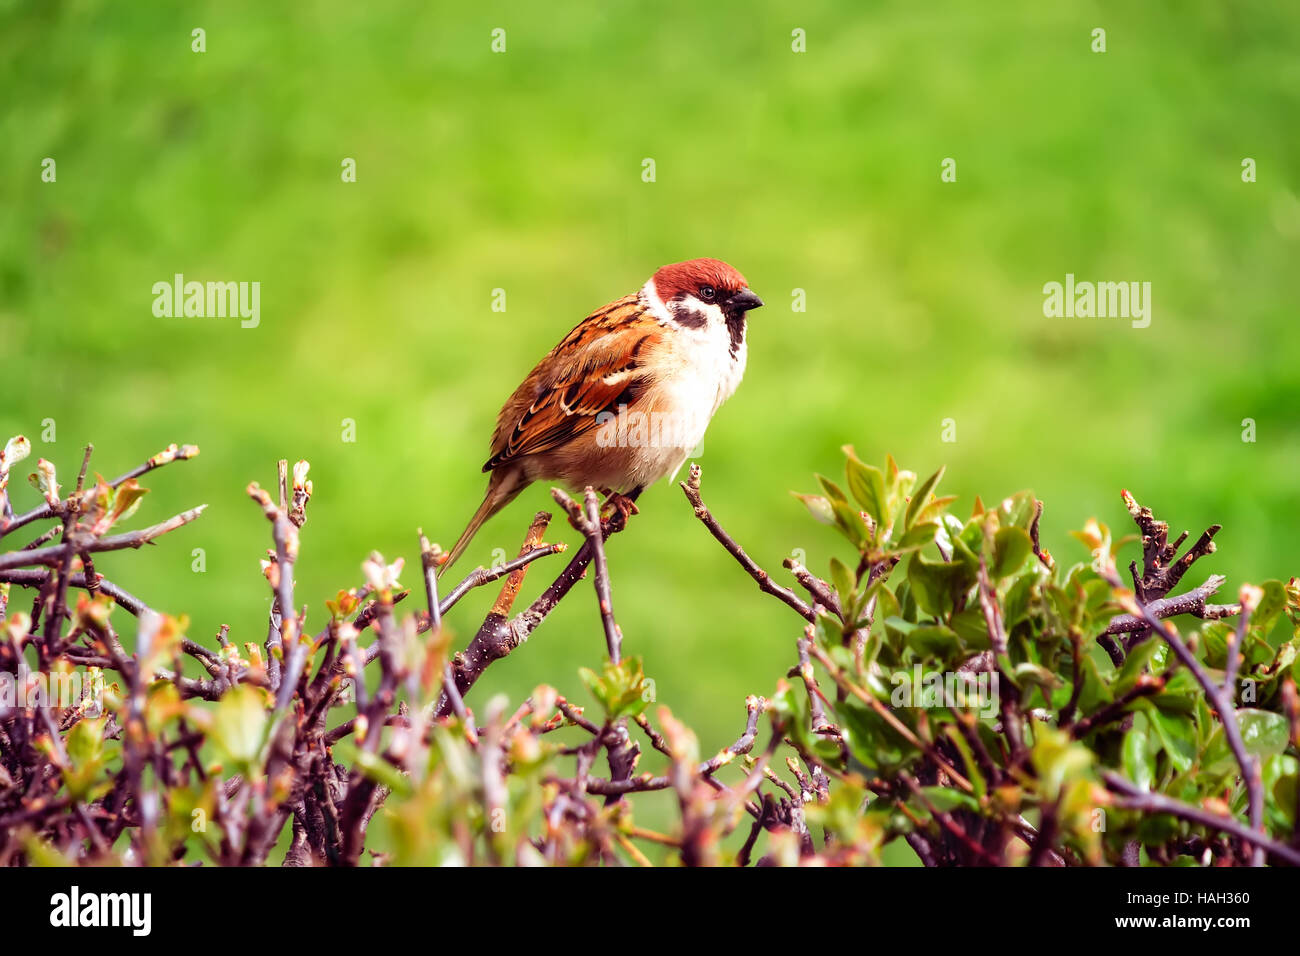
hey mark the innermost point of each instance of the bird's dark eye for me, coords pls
(706, 293)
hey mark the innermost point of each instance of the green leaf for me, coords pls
(127, 500)
(1015, 607)
(818, 506)
(968, 542)
(1019, 510)
(1281, 779)
(1095, 693)
(918, 502)
(16, 449)
(1010, 548)
(917, 537)
(1215, 636)
(85, 740)
(946, 799)
(1058, 759)
(867, 483)
(937, 585)
(849, 520)
(1180, 694)
(842, 515)
(382, 772)
(833, 491)
(1286, 656)
(972, 628)
(844, 581)
(935, 508)
(1177, 734)
(973, 772)
(872, 742)
(886, 602)
(84, 776)
(621, 688)
(1030, 673)
(44, 480)
(1263, 732)
(937, 640)
(898, 486)
(1270, 607)
(1139, 762)
(239, 725)
(1136, 664)
(828, 630)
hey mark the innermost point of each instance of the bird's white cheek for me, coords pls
(649, 297)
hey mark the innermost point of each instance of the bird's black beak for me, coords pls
(743, 301)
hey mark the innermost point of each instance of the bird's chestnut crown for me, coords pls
(711, 281)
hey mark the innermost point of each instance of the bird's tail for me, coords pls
(501, 491)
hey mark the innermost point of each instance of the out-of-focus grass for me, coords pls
(817, 171)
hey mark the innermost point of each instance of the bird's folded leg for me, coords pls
(616, 510)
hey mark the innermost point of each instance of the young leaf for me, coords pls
(819, 506)
(239, 725)
(867, 484)
(843, 580)
(1010, 548)
(919, 499)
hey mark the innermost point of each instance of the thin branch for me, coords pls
(481, 576)
(429, 558)
(1146, 686)
(36, 579)
(496, 637)
(54, 553)
(691, 487)
(166, 456)
(1135, 798)
(1192, 602)
(1222, 703)
(1008, 700)
(586, 519)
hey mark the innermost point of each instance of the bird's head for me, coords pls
(703, 292)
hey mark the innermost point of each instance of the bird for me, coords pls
(625, 397)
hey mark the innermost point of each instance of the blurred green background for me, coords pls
(522, 171)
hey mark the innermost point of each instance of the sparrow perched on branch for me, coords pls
(625, 396)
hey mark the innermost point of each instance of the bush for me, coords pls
(952, 686)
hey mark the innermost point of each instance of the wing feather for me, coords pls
(596, 368)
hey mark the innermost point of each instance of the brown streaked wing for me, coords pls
(595, 368)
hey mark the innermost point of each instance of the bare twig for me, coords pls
(166, 456)
(1221, 700)
(585, 518)
(691, 487)
(1192, 602)
(54, 554)
(1135, 798)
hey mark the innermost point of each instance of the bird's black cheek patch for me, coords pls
(691, 319)
(685, 316)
